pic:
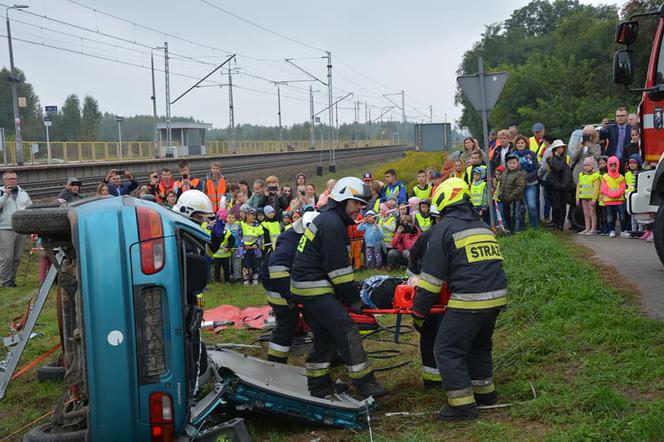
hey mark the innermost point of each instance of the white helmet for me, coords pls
(303, 223)
(193, 201)
(350, 188)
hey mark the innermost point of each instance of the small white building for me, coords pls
(187, 138)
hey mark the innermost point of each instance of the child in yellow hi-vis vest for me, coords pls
(633, 169)
(587, 194)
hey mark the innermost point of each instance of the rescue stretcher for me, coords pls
(404, 296)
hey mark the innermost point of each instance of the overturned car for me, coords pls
(128, 272)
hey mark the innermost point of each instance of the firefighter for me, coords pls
(275, 276)
(321, 279)
(463, 252)
(428, 326)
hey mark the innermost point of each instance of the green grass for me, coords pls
(597, 365)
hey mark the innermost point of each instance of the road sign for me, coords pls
(47, 123)
(119, 118)
(493, 86)
(51, 108)
(22, 102)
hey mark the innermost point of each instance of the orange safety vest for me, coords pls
(215, 195)
(163, 189)
(193, 183)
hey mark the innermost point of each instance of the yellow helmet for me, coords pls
(451, 191)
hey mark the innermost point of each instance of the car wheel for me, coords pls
(578, 219)
(43, 221)
(658, 231)
(44, 433)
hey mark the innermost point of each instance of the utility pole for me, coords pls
(312, 133)
(333, 163)
(366, 121)
(231, 109)
(279, 111)
(403, 106)
(13, 79)
(430, 114)
(154, 106)
(169, 137)
(119, 120)
(356, 121)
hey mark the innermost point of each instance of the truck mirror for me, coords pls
(623, 67)
(626, 32)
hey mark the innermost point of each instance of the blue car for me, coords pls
(128, 272)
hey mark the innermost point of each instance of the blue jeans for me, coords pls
(531, 195)
(611, 213)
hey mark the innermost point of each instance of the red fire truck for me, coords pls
(646, 203)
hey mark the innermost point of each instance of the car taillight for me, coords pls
(151, 236)
(161, 417)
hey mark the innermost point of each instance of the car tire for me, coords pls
(51, 373)
(43, 221)
(658, 231)
(43, 433)
(577, 219)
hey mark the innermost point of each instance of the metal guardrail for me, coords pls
(36, 152)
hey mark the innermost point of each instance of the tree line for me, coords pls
(559, 56)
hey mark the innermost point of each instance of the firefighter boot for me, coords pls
(368, 386)
(486, 398)
(459, 413)
(321, 386)
(273, 358)
(430, 385)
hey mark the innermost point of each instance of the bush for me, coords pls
(407, 166)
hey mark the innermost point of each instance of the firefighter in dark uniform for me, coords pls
(463, 252)
(427, 326)
(275, 275)
(321, 280)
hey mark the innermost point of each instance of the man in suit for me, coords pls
(617, 135)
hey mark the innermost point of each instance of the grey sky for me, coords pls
(415, 46)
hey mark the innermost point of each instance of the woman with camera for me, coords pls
(586, 148)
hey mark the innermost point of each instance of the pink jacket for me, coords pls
(618, 192)
(405, 241)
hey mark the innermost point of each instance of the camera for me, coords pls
(302, 192)
(586, 138)
(272, 188)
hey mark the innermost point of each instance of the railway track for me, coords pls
(232, 168)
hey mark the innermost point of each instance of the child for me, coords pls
(403, 211)
(422, 190)
(633, 169)
(613, 194)
(272, 228)
(171, 199)
(373, 241)
(388, 224)
(495, 184)
(587, 193)
(600, 212)
(355, 237)
(236, 258)
(222, 257)
(286, 221)
(459, 170)
(251, 239)
(423, 219)
(258, 198)
(260, 215)
(478, 192)
(512, 188)
(474, 161)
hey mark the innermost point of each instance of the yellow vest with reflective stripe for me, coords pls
(424, 223)
(422, 194)
(630, 182)
(613, 184)
(477, 193)
(536, 147)
(250, 234)
(223, 251)
(387, 234)
(274, 229)
(497, 192)
(587, 185)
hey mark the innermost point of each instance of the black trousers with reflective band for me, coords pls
(428, 333)
(463, 347)
(334, 332)
(283, 332)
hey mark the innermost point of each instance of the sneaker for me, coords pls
(255, 282)
(651, 238)
(245, 283)
(625, 234)
(591, 232)
(612, 234)
(647, 235)
(583, 232)
(603, 233)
